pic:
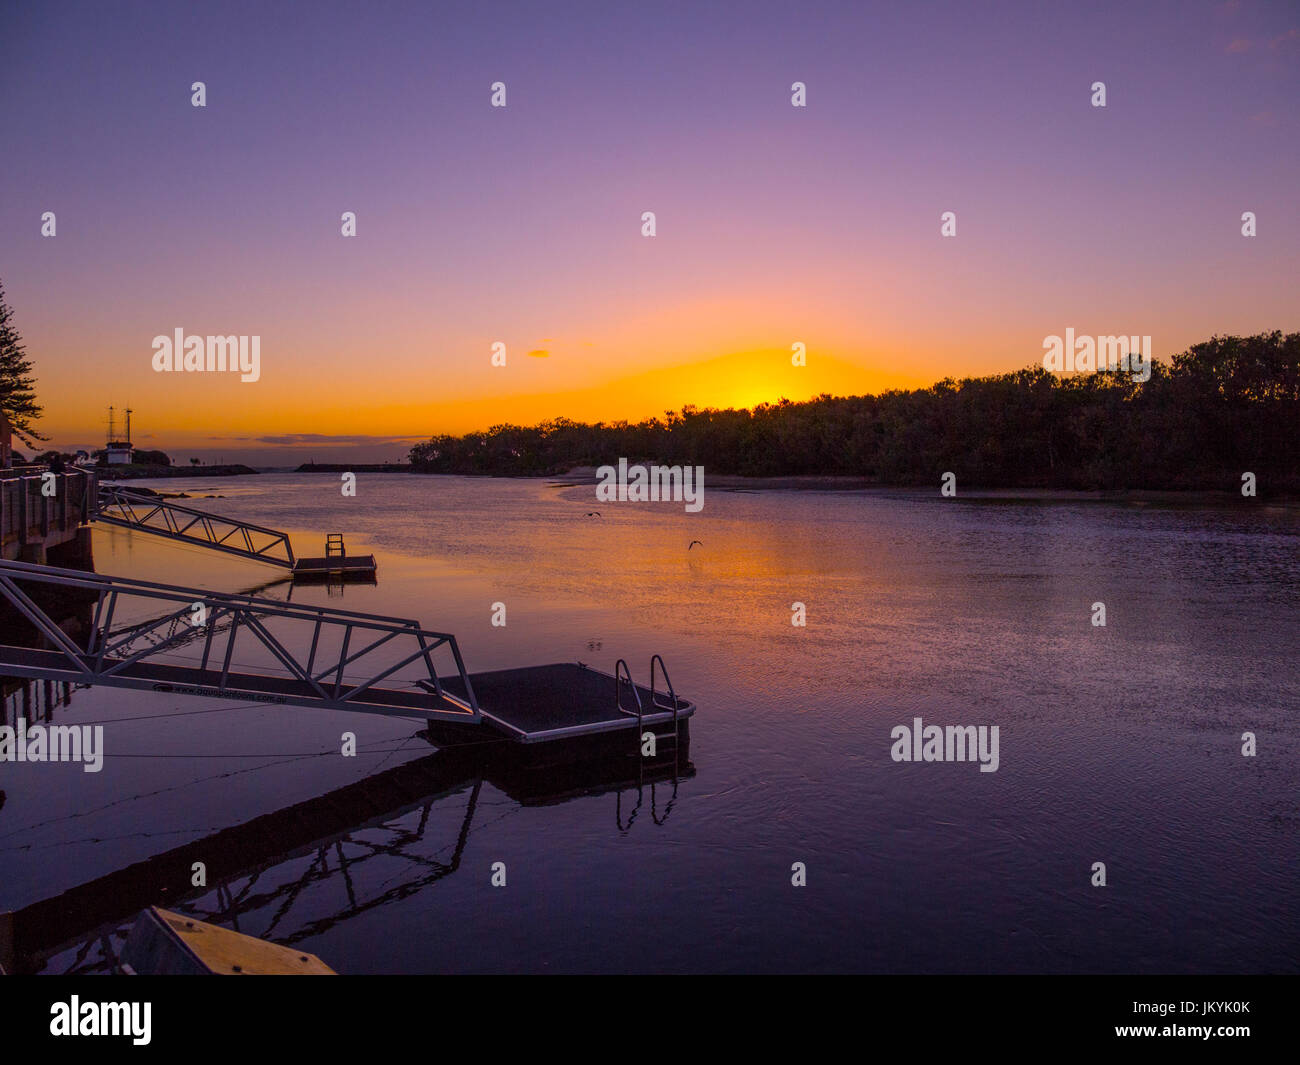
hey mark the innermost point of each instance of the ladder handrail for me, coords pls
(621, 671)
(672, 693)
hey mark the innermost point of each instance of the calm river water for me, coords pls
(1120, 745)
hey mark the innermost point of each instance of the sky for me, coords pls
(475, 224)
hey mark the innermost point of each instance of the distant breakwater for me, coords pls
(134, 471)
(361, 467)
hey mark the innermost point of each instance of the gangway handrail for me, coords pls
(79, 578)
(112, 495)
(142, 497)
(111, 657)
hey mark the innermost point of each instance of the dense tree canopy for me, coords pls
(17, 389)
(1223, 407)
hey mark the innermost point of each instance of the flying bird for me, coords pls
(693, 543)
(593, 513)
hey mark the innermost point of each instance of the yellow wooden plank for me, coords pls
(233, 954)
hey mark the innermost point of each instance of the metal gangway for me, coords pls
(162, 517)
(313, 656)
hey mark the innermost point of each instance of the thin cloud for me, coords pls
(296, 439)
(1286, 41)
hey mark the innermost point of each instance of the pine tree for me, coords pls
(17, 388)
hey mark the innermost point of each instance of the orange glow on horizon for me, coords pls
(739, 380)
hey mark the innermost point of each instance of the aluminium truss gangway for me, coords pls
(163, 517)
(306, 657)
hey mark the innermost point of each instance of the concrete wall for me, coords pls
(35, 526)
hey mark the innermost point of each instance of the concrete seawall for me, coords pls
(44, 519)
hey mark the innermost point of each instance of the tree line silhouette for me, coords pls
(1222, 408)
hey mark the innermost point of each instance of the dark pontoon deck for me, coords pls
(335, 566)
(541, 704)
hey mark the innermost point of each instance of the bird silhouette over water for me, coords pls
(593, 513)
(693, 543)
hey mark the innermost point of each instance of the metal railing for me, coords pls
(162, 517)
(32, 505)
(135, 654)
(655, 704)
(623, 675)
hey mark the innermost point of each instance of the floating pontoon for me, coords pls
(570, 703)
(316, 656)
(336, 564)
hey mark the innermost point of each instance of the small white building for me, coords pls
(118, 452)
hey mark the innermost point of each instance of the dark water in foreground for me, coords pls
(1119, 745)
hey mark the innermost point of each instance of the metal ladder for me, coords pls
(623, 675)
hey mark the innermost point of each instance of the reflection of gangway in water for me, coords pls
(252, 868)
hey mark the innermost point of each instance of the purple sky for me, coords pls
(776, 224)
